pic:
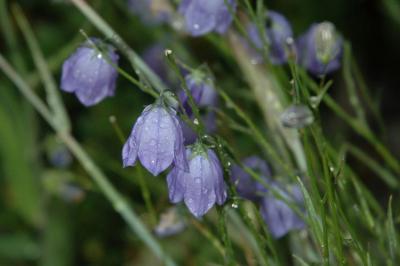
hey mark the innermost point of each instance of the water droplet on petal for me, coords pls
(196, 26)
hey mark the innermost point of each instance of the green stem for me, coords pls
(136, 62)
(118, 202)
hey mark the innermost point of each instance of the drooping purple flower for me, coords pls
(202, 186)
(157, 140)
(204, 95)
(202, 90)
(151, 11)
(89, 75)
(279, 217)
(245, 185)
(320, 49)
(278, 31)
(204, 16)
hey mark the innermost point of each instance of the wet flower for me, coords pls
(278, 31)
(320, 49)
(245, 185)
(204, 95)
(204, 16)
(278, 216)
(202, 186)
(297, 116)
(88, 74)
(151, 11)
(157, 140)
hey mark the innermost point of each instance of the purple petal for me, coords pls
(200, 16)
(224, 17)
(180, 159)
(157, 143)
(199, 191)
(218, 176)
(176, 186)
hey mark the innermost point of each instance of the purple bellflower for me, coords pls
(204, 16)
(89, 75)
(278, 31)
(245, 185)
(320, 49)
(157, 140)
(202, 186)
(278, 216)
(204, 95)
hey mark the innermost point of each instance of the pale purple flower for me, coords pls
(157, 141)
(320, 49)
(279, 217)
(278, 31)
(204, 95)
(88, 74)
(204, 16)
(202, 186)
(246, 186)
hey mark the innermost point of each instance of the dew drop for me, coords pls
(196, 26)
(195, 121)
(235, 205)
(99, 56)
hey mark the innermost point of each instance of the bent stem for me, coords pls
(116, 199)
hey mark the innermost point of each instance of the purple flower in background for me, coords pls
(204, 16)
(151, 11)
(88, 74)
(320, 49)
(154, 58)
(245, 185)
(278, 31)
(202, 186)
(157, 140)
(278, 216)
(204, 95)
(202, 90)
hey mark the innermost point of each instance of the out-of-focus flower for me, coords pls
(278, 31)
(157, 140)
(154, 58)
(171, 223)
(57, 153)
(151, 11)
(278, 216)
(202, 186)
(320, 49)
(204, 95)
(297, 116)
(88, 74)
(245, 185)
(204, 16)
(202, 90)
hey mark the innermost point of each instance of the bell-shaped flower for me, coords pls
(277, 214)
(204, 95)
(157, 140)
(277, 33)
(320, 49)
(204, 16)
(246, 186)
(202, 186)
(89, 75)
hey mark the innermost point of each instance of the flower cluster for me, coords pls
(318, 50)
(275, 211)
